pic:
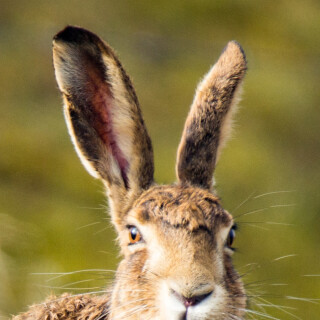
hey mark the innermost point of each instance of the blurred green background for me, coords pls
(53, 214)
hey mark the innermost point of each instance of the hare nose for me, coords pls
(193, 300)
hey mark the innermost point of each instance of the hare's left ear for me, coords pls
(209, 121)
(103, 116)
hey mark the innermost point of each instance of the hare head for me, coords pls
(176, 240)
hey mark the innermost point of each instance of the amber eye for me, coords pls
(134, 235)
(231, 236)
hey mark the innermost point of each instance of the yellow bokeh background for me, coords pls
(53, 215)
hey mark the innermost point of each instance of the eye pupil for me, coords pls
(231, 236)
(134, 235)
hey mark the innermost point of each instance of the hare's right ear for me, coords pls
(103, 116)
(209, 121)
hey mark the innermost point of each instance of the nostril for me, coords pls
(193, 300)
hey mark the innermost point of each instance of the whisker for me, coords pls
(73, 272)
(268, 305)
(131, 312)
(127, 304)
(91, 208)
(283, 205)
(284, 257)
(250, 265)
(242, 203)
(263, 283)
(252, 224)
(264, 209)
(67, 288)
(310, 300)
(64, 274)
(78, 282)
(264, 315)
(250, 212)
(97, 232)
(280, 308)
(273, 192)
(279, 223)
(233, 316)
(89, 225)
(266, 222)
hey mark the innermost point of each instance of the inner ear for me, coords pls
(92, 96)
(100, 118)
(102, 113)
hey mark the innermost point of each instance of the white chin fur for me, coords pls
(171, 308)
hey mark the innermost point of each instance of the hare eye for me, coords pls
(231, 236)
(134, 235)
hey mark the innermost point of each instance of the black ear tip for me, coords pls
(73, 34)
(69, 33)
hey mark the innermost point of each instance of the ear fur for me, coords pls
(209, 121)
(103, 116)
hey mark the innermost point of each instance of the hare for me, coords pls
(176, 240)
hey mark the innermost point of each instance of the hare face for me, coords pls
(180, 268)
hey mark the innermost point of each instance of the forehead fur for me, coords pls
(181, 206)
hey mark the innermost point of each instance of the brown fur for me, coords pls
(181, 268)
(67, 307)
(180, 206)
(204, 129)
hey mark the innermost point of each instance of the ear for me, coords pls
(209, 121)
(103, 116)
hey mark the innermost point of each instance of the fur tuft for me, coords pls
(68, 307)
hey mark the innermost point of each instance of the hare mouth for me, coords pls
(205, 306)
